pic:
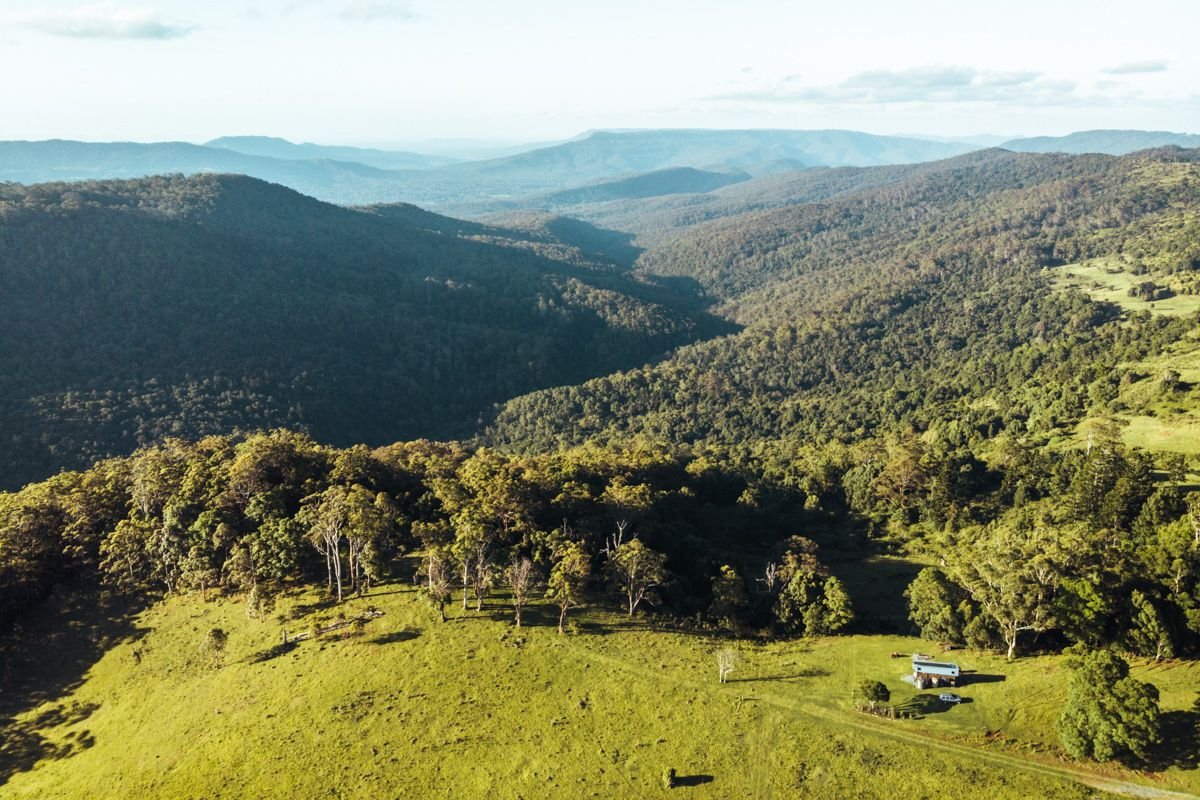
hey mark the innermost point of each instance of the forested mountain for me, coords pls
(187, 306)
(604, 155)
(677, 180)
(1112, 142)
(274, 147)
(917, 305)
(654, 218)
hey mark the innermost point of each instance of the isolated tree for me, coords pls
(568, 577)
(727, 661)
(213, 645)
(521, 580)
(874, 692)
(1108, 714)
(636, 569)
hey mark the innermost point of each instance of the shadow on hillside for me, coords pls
(302, 610)
(811, 672)
(968, 677)
(44, 662)
(394, 637)
(923, 704)
(876, 585)
(281, 649)
(1180, 745)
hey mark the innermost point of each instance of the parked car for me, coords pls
(948, 697)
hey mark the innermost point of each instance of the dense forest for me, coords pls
(176, 306)
(1080, 546)
(923, 305)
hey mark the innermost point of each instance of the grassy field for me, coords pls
(1110, 279)
(1156, 419)
(410, 707)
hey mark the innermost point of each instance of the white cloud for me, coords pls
(925, 84)
(1138, 67)
(105, 21)
(371, 10)
(354, 10)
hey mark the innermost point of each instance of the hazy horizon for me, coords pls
(391, 73)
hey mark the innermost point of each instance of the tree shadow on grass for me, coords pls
(1180, 746)
(45, 662)
(924, 704)
(811, 672)
(394, 637)
(302, 610)
(281, 649)
(969, 678)
(22, 744)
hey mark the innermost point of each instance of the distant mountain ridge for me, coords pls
(363, 176)
(359, 176)
(274, 147)
(1110, 142)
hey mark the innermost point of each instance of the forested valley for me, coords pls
(844, 405)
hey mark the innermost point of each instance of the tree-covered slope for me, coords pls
(677, 180)
(131, 310)
(922, 303)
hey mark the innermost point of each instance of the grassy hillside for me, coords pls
(406, 706)
(187, 306)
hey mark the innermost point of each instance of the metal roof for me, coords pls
(935, 667)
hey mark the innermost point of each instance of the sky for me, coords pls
(394, 72)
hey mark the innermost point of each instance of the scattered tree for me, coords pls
(568, 577)
(1108, 714)
(521, 579)
(874, 692)
(636, 569)
(213, 646)
(437, 586)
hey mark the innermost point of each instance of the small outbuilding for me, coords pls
(927, 673)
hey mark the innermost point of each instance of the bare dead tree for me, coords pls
(521, 579)
(770, 578)
(727, 661)
(438, 585)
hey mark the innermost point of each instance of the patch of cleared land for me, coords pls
(411, 707)
(1110, 279)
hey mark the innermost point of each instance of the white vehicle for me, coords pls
(947, 697)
